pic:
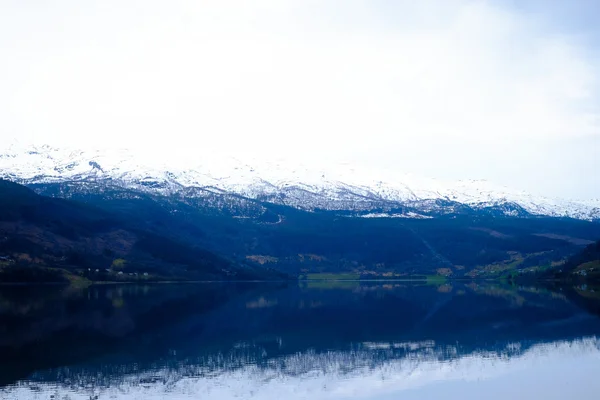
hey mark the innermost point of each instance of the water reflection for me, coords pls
(314, 340)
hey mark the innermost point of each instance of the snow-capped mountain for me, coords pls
(338, 187)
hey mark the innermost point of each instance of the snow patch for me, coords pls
(337, 187)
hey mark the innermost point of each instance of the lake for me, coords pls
(306, 340)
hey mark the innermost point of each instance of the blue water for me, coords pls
(319, 340)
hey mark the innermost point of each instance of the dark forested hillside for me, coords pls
(584, 265)
(37, 233)
(470, 244)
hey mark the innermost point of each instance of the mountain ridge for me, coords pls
(342, 188)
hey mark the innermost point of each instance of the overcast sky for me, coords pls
(502, 90)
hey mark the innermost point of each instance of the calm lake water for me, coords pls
(336, 340)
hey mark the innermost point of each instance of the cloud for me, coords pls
(439, 86)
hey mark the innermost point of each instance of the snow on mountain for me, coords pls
(337, 187)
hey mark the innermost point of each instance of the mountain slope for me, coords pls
(342, 188)
(162, 231)
(298, 220)
(584, 265)
(37, 231)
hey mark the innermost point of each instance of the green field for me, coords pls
(330, 277)
(435, 279)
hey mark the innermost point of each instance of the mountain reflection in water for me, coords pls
(309, 340)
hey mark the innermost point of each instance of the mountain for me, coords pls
(168, 234)
(301, 222)
(227, 185)
(41, 235)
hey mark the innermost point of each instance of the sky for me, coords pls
(507, 91)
